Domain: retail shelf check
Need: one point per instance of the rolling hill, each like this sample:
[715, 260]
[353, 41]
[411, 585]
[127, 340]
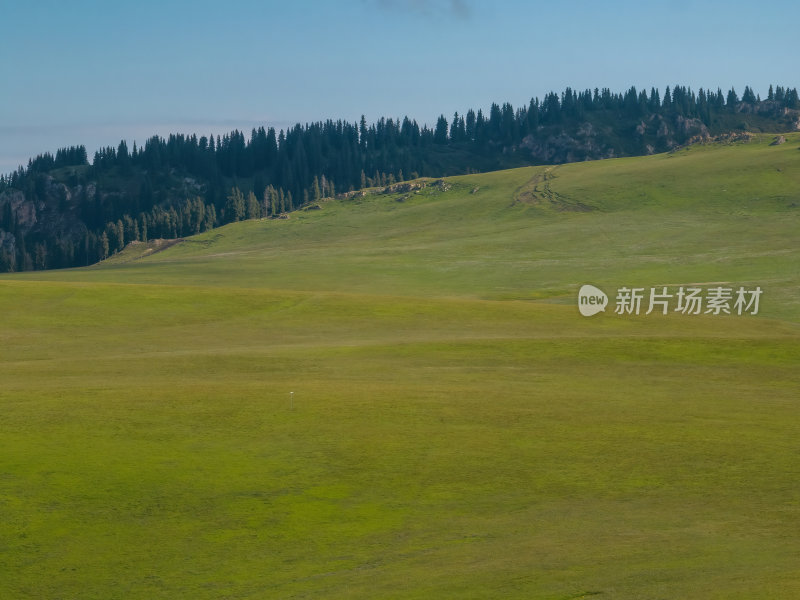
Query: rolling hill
[394, 395]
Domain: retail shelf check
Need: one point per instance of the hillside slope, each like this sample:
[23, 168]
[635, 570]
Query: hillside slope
[717, 212]
[395, 396]
[63, 211]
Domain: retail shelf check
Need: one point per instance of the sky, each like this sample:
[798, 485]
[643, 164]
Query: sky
[94, 72]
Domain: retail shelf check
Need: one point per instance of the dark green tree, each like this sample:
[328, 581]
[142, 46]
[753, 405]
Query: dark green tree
[732, 100]
[104, 247]
[253, 207]
[235, 206]
[440, 135]
[315, 189]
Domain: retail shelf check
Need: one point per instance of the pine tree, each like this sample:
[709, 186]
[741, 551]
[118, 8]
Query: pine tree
[455, 132]
[469, 127]
[40, 257]
[792, 99]
[210, 217]
[104, 248]
[274, 206]
[235, 206]
[440, 134]
[732, 100]
[267, 199]
[315, 189]
[253, 207]
[362, 139]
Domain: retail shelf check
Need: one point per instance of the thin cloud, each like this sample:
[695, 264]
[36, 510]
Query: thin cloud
[461, 8]
[428, 8]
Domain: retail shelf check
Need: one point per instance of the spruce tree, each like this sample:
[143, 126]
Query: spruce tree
[211, 217]
[732, 100]
[104, 248]
[253, 207]
[267, 200]
[235, 206]
[469, 128]
[315, 189]
[440, 134]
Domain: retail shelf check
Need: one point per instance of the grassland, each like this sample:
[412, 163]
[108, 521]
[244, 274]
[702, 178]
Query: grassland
[456, 428]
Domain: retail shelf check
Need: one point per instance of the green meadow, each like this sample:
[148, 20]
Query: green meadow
[395, 396]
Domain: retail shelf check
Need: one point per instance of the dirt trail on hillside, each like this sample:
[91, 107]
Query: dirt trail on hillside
[539, 192]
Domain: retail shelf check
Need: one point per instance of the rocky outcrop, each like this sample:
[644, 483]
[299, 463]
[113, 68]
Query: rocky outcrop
[583, 145]
[691, 128]
[590, 141]
[23, 209]
[7, 242]
[404, 187]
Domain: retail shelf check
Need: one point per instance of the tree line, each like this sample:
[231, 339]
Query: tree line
[185, 184]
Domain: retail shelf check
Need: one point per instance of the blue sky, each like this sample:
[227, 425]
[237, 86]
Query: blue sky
[94, 72]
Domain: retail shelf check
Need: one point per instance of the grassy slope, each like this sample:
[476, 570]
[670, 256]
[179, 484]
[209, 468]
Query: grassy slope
[704, 214]
[458, 429]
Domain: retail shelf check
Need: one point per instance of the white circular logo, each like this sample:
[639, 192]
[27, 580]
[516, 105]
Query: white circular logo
[591, 300]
